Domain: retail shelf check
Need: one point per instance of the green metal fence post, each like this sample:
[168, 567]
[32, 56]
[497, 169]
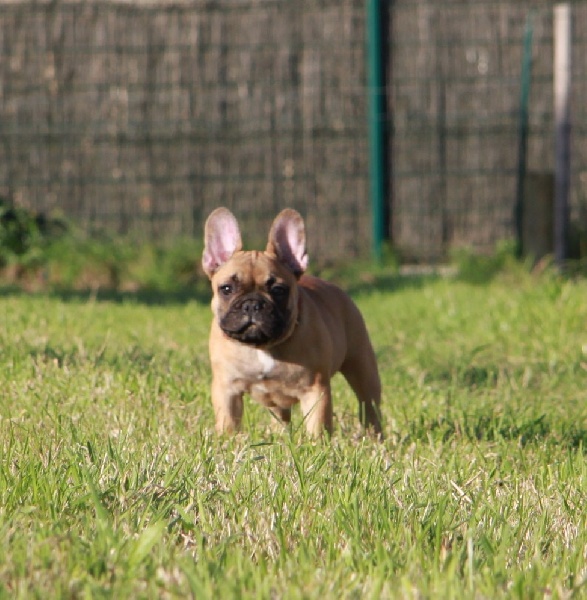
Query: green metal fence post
[376, 125]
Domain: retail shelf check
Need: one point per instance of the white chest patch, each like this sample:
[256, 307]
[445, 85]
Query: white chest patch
[267, 363]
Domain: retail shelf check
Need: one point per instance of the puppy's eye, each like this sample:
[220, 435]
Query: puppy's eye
[225, 289]
[278, 291]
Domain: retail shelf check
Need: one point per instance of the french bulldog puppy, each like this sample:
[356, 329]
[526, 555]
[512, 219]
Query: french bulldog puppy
[279, 335]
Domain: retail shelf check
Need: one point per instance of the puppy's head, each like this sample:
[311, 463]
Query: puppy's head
[255, 294]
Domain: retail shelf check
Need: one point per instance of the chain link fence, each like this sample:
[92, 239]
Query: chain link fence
[141, 117]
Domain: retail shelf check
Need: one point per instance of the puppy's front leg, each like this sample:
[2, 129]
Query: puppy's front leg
[316, 407]
[228, 407]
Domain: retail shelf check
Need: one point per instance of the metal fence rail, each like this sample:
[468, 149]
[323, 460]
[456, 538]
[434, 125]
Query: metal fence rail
[142, 117]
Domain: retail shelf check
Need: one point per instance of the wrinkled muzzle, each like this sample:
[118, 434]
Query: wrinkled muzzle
[253, 319]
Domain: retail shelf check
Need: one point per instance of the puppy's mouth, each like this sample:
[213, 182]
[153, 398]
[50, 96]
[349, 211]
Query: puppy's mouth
[254, 320]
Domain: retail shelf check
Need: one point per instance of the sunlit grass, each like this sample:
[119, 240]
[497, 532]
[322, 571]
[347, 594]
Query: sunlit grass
[112, 483]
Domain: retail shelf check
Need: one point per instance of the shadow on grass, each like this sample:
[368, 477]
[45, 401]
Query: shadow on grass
[355, 283]
[389, 283]
[148, 297]
[495, 427]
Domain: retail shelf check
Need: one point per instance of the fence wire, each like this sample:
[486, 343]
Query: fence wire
[142, 117]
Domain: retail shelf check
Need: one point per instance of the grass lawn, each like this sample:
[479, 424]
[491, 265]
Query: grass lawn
[113, 484]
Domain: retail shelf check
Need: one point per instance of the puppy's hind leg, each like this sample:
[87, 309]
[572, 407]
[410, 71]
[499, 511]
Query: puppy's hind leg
[362, 375]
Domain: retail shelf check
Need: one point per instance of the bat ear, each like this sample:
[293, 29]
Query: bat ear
[222, 238]
[287, 241]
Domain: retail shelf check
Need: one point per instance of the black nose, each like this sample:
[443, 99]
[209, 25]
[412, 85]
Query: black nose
[252, 306]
